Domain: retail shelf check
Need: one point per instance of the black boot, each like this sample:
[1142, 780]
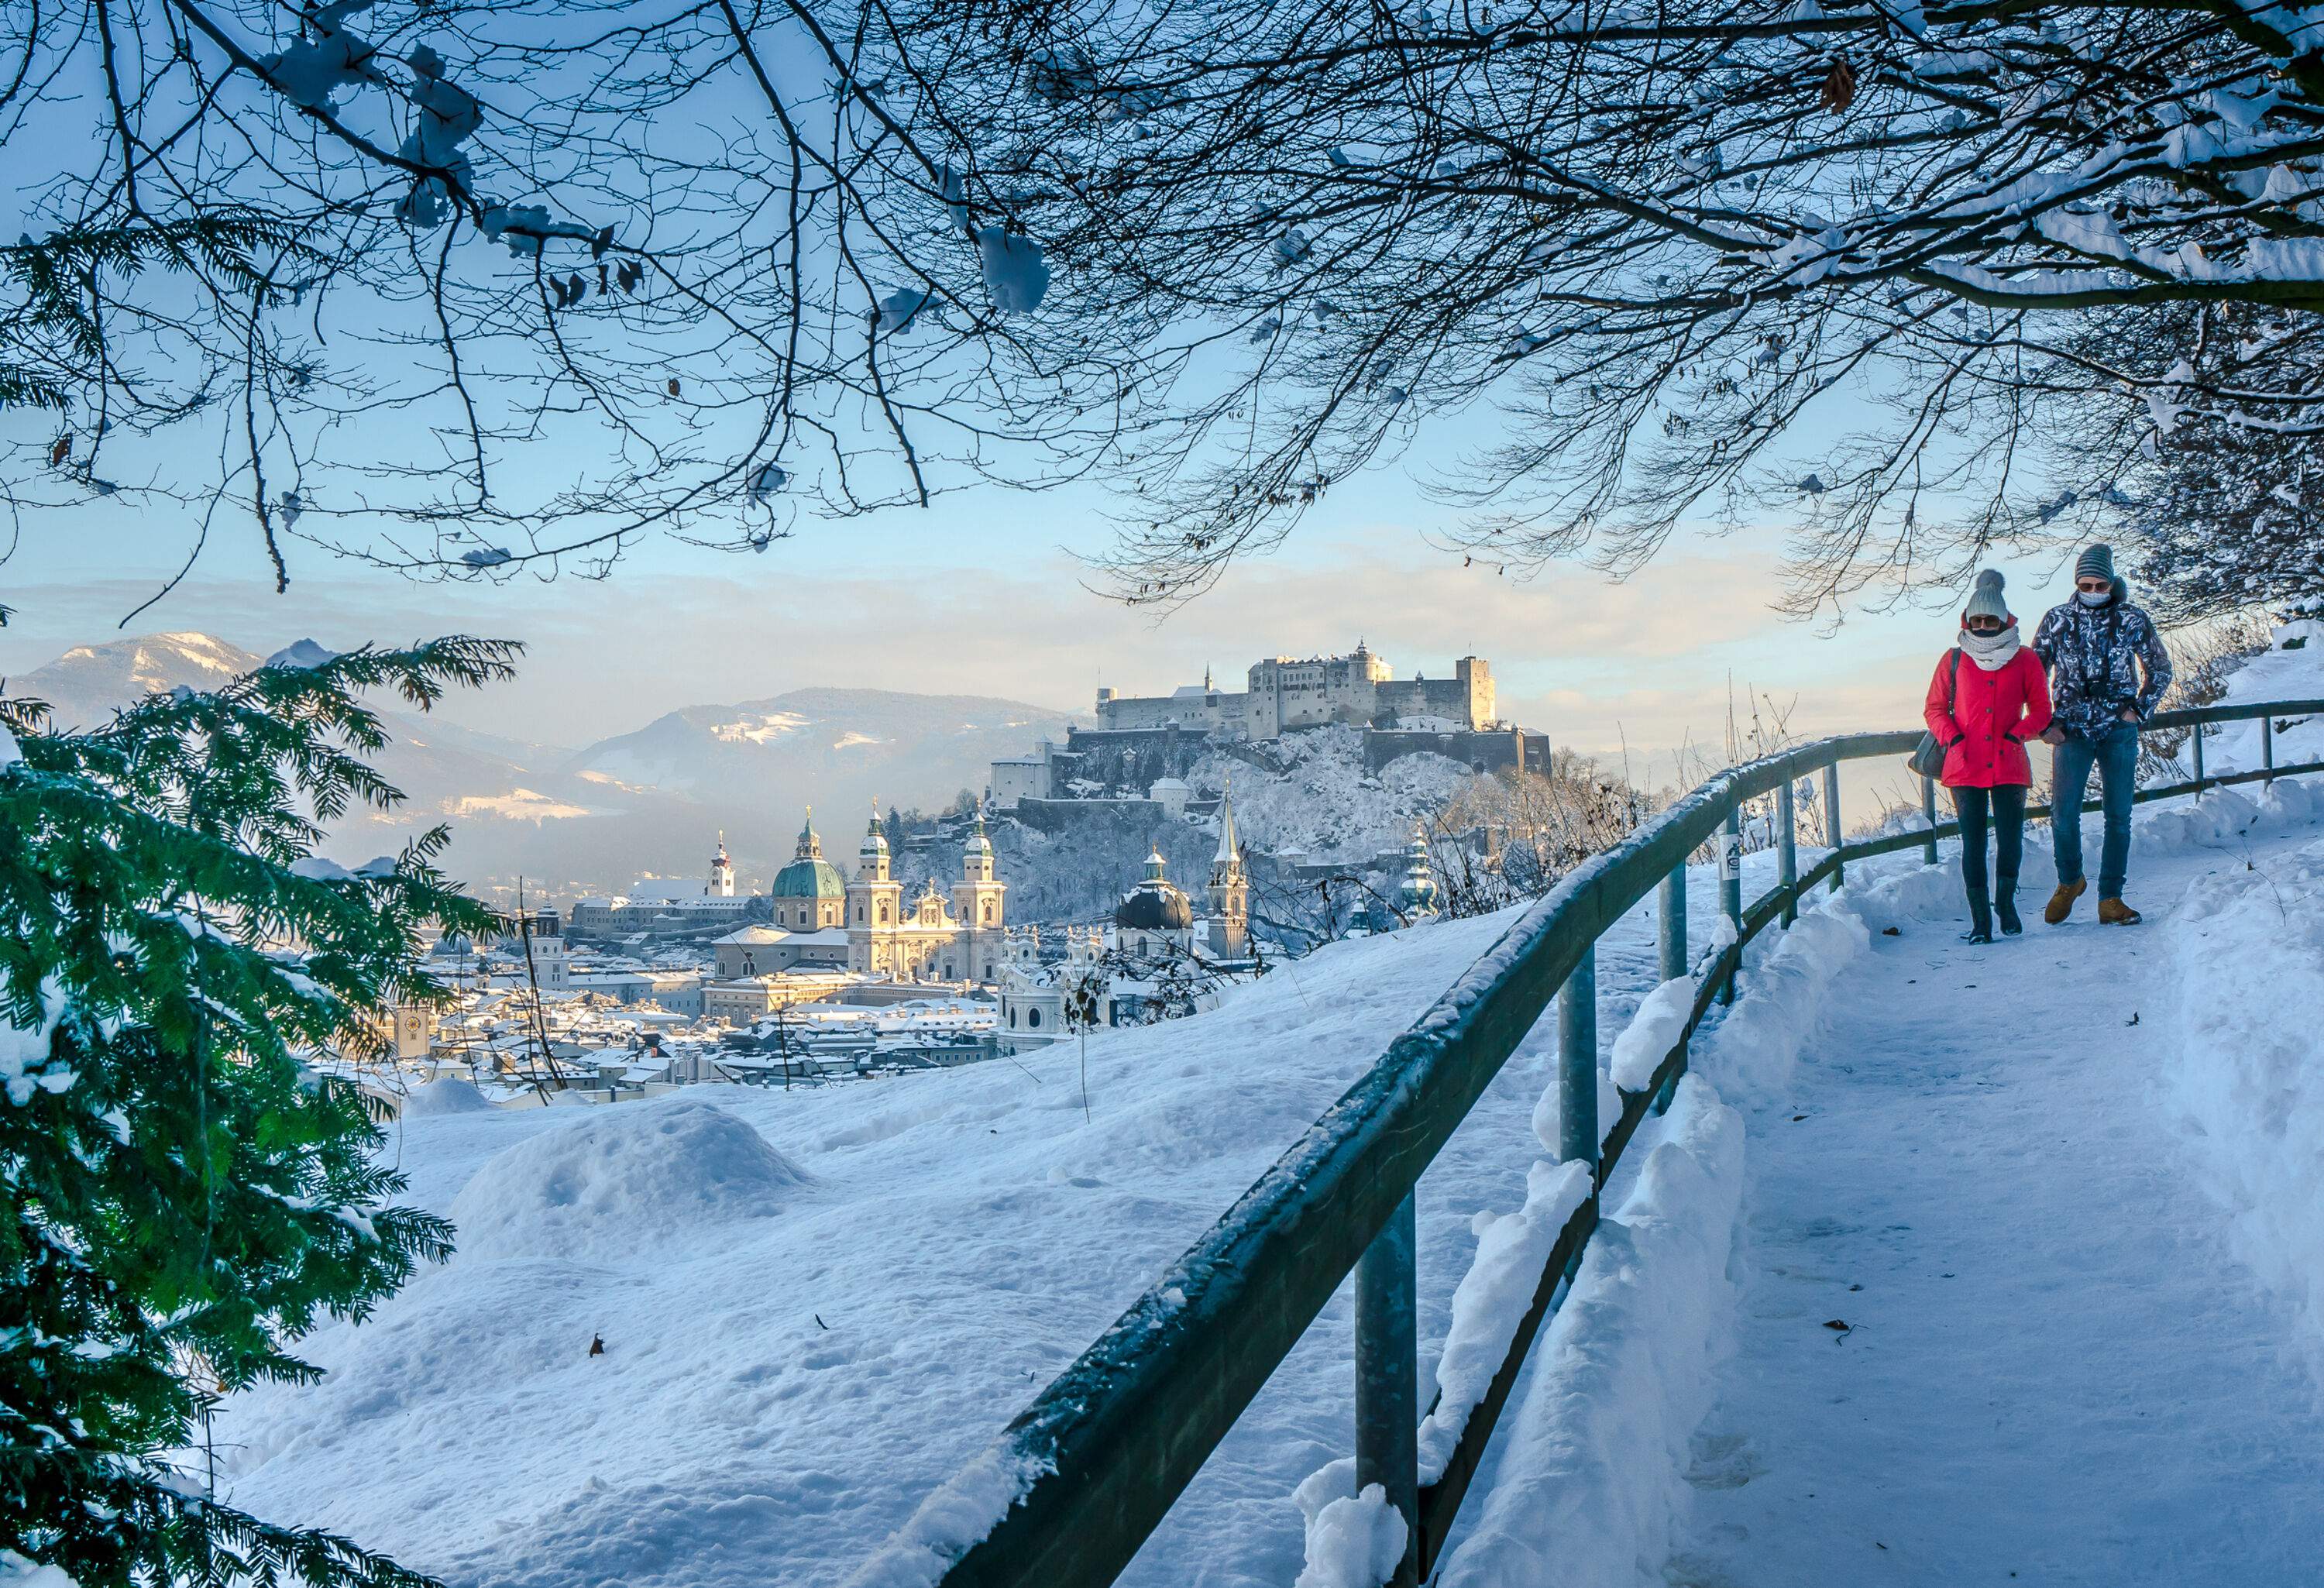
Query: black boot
[1980, 918]
[2005, 905]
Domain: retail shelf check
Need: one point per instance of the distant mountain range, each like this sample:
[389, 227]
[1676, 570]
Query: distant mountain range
[652, 801]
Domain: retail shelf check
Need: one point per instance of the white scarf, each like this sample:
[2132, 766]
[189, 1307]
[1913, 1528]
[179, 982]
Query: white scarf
[1991, 652]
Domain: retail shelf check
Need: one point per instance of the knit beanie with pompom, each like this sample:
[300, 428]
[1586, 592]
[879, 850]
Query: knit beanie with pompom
[1986, 600]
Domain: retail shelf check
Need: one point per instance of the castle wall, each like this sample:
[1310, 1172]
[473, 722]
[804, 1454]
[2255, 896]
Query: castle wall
[1193, 709]
[1496, 751]
[1466, 698]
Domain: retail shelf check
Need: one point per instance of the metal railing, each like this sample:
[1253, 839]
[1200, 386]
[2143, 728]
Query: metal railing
[1102, 1454]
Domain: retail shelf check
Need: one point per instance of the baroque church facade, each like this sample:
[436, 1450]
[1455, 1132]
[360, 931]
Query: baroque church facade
[926, 937]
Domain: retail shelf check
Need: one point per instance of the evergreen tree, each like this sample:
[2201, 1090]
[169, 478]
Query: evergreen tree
[181, 1193]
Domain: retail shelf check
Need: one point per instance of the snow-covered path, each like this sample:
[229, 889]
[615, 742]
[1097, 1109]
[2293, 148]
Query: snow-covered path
[2055, 1371]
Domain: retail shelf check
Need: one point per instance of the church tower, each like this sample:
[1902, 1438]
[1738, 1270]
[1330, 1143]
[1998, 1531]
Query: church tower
[1415, 892]
[874, 905]
[977, 904]
[721, 885]
[1229, 891]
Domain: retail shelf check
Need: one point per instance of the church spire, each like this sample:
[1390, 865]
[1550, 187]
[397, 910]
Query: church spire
[1230, 847]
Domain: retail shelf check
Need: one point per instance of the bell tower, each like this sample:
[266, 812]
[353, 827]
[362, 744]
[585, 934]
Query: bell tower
[721, 885]
[874, 905]
[978, 906]
[1230, 890]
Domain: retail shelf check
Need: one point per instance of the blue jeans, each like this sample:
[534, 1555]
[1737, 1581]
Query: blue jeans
[2117, 758]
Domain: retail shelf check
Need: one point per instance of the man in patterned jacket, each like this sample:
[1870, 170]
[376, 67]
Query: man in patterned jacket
[2097, 646]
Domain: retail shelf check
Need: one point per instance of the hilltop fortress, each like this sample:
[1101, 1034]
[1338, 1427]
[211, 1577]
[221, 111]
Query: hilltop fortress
[1144, 745]
[1357, 689]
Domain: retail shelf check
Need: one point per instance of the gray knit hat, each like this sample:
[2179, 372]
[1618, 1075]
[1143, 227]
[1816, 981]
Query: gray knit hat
[1986, 601]
[2095, 562]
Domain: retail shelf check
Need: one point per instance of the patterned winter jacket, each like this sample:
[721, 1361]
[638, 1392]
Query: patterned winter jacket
[2095, 655]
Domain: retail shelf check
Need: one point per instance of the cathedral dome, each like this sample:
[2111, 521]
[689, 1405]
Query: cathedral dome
[1156, 905]
[808, 875]
[811, 878]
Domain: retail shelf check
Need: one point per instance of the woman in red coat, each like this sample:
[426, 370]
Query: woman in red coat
[1989, 695]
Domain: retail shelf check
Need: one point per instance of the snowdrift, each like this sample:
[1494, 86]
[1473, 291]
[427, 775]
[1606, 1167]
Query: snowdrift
[445, 1096]
[2247, 1080]
[621, 1177]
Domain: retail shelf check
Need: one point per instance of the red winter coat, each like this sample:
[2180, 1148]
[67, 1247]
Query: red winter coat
[1992, 716]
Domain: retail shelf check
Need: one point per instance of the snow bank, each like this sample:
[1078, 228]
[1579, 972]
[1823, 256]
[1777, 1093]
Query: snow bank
[617, 1179]
[1590, 1486]
[1750, 1054]
[2245, 1071]
[445, 1096]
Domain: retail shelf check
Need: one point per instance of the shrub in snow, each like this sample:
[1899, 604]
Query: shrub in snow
[620, 1177]
[181, 1201]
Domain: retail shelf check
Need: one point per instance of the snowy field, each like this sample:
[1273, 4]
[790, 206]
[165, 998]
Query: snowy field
[816, 1306]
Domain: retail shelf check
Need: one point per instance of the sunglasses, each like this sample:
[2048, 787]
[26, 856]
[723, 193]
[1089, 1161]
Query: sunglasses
[2094, 587]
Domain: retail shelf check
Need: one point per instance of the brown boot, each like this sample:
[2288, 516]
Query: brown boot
[2114, 912]
[2061, 902]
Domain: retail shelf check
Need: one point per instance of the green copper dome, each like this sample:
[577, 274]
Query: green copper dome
[808, 875]
[809, 879]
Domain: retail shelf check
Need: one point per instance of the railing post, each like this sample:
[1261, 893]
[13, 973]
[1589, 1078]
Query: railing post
[2198, 760]
[1674, 951]
[1831, 822]
[1929, 809]
[1787, 857]
[2267, 749]
[1730, 888]
[1673, 934]
[1577, 1062]
[1387, 1381]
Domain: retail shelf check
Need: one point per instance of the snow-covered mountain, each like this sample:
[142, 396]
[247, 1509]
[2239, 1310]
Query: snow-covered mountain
[85, 683]
[840, 747]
